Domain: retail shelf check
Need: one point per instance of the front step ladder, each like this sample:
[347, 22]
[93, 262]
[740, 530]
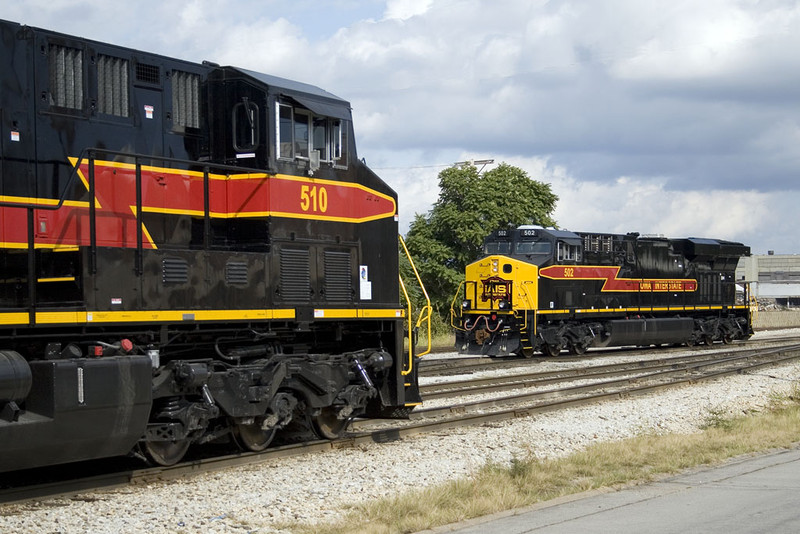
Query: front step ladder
[525, 340]
[409, 371]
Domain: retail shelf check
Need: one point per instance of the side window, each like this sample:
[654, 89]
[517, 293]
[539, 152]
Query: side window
[285, 120]
[245, 125]
[301, 134]
[320, 138]
[301, 129]
[66, 76]
[568, 252]
[339, 143]
[336, 139]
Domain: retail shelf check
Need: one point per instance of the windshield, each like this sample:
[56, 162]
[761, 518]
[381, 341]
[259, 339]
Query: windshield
[498, 247]
[534, 247]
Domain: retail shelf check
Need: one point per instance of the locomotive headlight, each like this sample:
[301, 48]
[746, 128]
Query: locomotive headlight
[465, 305]
[494, 266]
[503, 304]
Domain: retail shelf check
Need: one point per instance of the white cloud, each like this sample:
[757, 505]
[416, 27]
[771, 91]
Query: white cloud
[647, 207]
[667, 111]
[405, 9]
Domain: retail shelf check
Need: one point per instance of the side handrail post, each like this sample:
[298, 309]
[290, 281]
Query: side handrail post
[92, 213]
[139, 231]
[453, 305]
[410, 367]
[31, 267]
[425, 313]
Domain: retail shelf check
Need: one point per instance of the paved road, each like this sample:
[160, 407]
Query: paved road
[758, 494]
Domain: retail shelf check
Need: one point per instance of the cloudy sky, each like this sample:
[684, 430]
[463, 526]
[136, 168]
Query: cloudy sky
[674, 117]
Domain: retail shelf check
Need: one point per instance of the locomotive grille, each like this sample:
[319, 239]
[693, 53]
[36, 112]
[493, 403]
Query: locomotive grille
[175, 271]
[112, 85]
[148, 73]
[186, 99]
[236, 272]
[295, 275]
[66, 77]
[338, 280]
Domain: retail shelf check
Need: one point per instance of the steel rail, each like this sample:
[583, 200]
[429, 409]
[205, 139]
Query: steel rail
[493, 384]
[672, 370]
[460, 418]
[439, 366]
[624, 388]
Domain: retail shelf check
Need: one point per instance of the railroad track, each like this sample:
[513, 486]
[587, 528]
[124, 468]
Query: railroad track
[597, 383]
[491, 384]
[441, 366]
[619, 379]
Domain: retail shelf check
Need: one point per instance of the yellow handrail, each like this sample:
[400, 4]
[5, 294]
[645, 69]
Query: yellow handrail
[410, 332]
[452, 307]
[526, 296]
[530, 303]
[424, 314]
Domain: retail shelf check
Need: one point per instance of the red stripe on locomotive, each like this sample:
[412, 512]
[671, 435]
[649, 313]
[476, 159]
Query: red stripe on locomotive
[612, 283]
[172, 191]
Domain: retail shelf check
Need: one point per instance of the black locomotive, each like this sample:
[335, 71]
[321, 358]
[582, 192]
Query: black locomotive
[189, 252]
[543, 289]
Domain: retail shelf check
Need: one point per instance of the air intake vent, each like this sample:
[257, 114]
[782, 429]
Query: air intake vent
[66, 77]
[338, 277]
[236, 272]
[112, 85]
[175, 271]
[148, 73]
[295, 275]
[186, 99]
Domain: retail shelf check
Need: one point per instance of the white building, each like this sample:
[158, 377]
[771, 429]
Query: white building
[772, 277]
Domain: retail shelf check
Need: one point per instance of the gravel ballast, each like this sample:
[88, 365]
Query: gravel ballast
[317, 487]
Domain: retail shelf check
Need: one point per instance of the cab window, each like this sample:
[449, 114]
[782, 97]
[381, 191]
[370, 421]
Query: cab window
[245, 125]
[285, 134]
[302, 134]
[301, 128]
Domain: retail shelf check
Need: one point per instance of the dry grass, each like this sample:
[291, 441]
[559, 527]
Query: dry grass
[443, 343]
[496, 488]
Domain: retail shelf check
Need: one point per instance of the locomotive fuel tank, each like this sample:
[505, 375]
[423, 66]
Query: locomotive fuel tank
[78, 409]
[15, 380]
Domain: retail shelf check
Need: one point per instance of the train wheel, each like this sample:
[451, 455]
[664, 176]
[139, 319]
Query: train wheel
[252, 437]
[527, 353]
[727, 339]
[551, 350]
[577, 350]
[326, 425]
[166, 452]
[708, 340]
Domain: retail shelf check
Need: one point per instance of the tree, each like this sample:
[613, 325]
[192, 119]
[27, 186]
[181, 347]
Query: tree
[470, 206]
